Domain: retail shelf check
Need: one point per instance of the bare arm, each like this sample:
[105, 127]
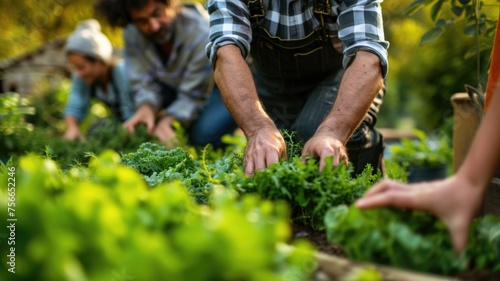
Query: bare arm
[456, 199]
[360, 84]
[483, 157]
[235, 81]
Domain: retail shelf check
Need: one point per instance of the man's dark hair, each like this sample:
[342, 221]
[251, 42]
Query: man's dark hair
[117, 12]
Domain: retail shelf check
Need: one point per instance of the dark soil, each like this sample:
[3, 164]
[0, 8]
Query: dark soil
[318, 239]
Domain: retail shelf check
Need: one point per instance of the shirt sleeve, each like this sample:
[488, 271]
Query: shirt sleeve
[229, 24]
[195, 83]
[79, 99]
[361, 28]
[125, 95]
[142, 84]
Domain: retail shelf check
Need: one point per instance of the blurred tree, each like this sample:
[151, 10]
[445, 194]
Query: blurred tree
[425, 70]
[30, 23]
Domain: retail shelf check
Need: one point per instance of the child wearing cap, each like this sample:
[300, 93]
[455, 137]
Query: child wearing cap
[97, 74]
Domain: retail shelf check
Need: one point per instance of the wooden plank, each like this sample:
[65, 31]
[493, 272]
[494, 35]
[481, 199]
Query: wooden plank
[336, 267]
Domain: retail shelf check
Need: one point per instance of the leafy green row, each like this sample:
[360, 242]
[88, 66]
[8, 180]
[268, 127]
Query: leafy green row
[71, 153]
[411, 240]
[105, 223]
[309, 192]
[24, 130]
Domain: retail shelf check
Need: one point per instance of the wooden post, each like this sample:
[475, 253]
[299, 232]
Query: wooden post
[466, 120]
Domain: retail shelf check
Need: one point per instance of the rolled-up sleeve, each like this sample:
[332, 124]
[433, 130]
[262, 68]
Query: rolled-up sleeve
[79, 99]
[361, 28]
[229, 24]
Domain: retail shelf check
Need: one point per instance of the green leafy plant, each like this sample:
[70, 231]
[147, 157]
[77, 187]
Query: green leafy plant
[420, 152]
[309, 192]
[13, 110]
[92, 223]
[412, 240]
[472, 12]
[474, 16]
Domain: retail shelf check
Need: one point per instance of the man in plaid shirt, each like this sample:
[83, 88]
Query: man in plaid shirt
[318, 69]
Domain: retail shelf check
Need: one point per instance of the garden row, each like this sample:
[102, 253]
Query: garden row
[86, 213]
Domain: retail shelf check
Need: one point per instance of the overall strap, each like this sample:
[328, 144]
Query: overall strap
[256, 8]
[322, 7]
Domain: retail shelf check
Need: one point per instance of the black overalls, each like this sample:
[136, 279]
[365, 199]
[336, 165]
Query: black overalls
[297, 81]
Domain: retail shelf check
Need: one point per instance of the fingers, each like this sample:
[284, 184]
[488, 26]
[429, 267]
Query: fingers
[391, 198]
[459, 236]
[144, 115]
[249, 167]
[129, 126]
[150, 125]
[322, 147]
[263, 150]
[391, 193]
[260, 160]
[383, 186]
[339, 157]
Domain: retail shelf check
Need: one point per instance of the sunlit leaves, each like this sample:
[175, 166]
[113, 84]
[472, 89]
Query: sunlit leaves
[436, 31]
[461, 10]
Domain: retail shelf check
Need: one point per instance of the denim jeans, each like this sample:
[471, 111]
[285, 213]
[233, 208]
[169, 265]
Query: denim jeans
[297, 82]
[213, 122]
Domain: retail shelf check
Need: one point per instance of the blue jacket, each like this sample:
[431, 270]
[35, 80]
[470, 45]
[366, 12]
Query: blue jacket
[80, 95]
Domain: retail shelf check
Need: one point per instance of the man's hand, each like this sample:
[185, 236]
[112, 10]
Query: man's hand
[145, 114]
[265, 147]
[165, 131]
[323, 145]
[454, 200]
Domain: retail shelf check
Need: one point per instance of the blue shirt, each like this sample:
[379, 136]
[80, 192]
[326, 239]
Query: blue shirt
[80, 94]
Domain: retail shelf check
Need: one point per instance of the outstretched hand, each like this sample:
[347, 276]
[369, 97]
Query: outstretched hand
[321, 146]
[263, 148]
[165, 132]
[145, 114]
[454, 200]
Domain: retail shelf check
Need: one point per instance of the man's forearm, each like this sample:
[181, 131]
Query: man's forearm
[235, 81]
[361, 83]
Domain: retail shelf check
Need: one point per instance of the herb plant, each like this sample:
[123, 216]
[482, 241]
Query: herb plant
[94, 223]
[411, 240]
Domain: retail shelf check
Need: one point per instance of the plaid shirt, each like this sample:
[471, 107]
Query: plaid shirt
[357, 23]
[187, 70]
